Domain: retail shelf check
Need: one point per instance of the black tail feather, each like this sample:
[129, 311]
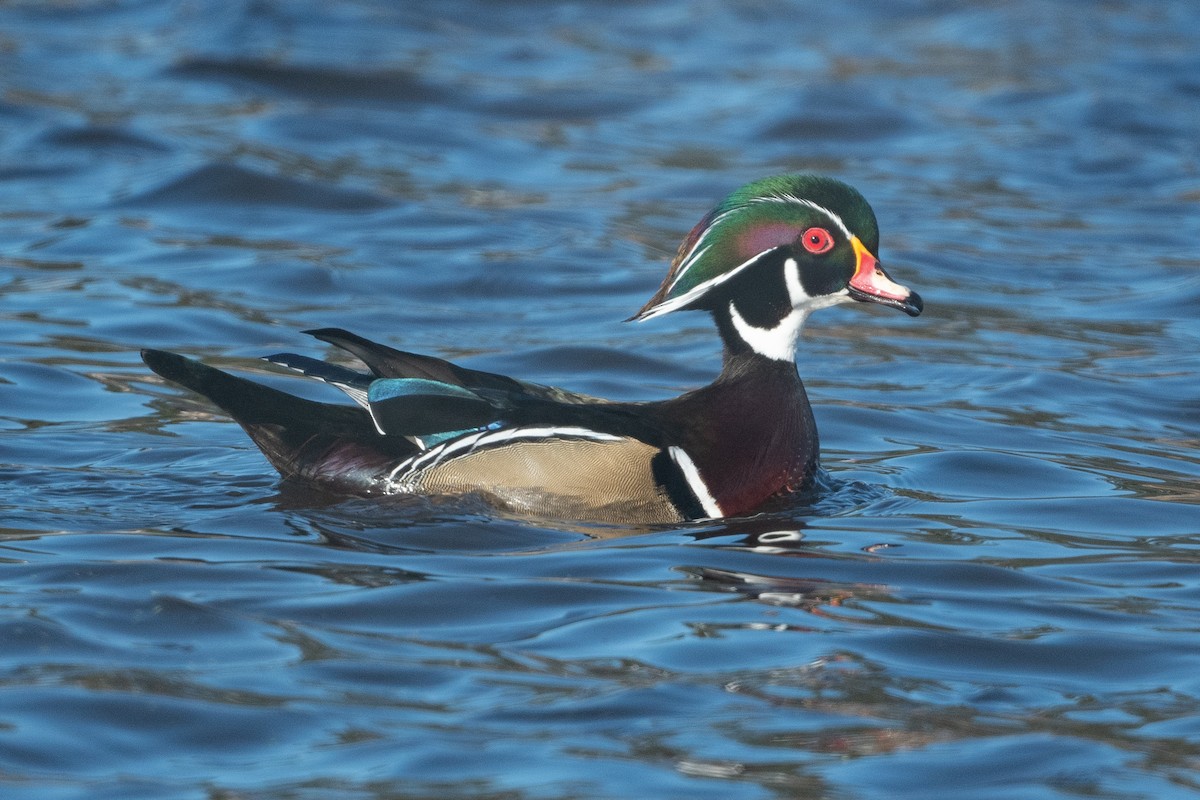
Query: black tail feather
[321, 370]
[387, 362]
[335, 445]
[354, 384]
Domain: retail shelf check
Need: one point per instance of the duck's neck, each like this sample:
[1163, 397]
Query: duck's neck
[771, 335]
[752, 434]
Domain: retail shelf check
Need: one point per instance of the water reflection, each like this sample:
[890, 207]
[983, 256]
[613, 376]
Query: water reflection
[992, 587]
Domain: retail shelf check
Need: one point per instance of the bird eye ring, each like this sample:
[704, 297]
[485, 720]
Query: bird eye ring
[817, 240]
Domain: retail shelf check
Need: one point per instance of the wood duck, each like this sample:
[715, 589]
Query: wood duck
[760, 262]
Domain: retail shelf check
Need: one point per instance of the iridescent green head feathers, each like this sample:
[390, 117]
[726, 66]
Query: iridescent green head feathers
[823, 225]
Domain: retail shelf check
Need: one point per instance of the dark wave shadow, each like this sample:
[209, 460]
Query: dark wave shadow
[233, 185]
[389, 86]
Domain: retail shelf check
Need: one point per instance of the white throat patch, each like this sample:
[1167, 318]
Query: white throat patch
[779, 342]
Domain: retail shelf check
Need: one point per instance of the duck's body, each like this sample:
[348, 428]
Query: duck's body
[760, 262]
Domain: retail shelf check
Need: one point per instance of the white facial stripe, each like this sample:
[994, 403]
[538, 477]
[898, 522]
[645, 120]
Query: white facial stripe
[787, 198]
[693, 257]
[697, 291]
[430, 458]
[791, 276]
[836, 219]
[695, 482]
[700, 248]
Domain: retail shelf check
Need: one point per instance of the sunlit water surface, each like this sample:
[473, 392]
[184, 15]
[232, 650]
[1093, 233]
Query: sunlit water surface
[994, 594]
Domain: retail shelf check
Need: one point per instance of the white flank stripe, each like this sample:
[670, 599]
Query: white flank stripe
[545, 433]
[436, 454]
[695, 482]
[409, 467]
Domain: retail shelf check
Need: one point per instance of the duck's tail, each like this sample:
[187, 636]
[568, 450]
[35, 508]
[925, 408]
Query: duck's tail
[335, 446]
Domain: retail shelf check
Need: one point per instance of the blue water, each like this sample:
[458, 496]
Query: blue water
[994, 595]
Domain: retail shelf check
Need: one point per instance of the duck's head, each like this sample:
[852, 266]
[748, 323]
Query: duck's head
[771, 253]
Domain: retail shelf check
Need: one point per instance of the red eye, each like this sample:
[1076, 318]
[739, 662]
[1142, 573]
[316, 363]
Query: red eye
[817, 240]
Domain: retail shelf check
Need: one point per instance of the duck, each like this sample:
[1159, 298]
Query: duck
[760, 262]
